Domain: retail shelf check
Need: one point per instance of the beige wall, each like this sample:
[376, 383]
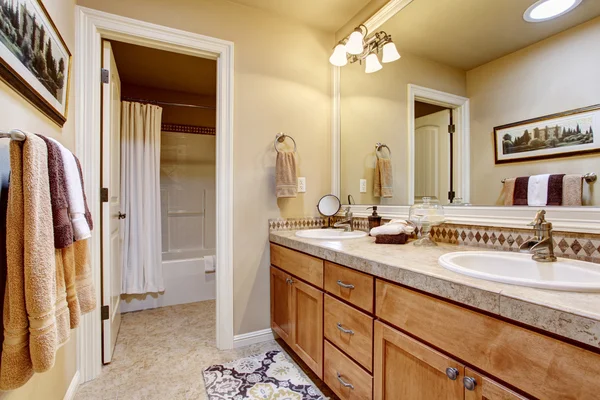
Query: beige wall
[373, 109]
[554, 75]
[282, 83]
[15, 112]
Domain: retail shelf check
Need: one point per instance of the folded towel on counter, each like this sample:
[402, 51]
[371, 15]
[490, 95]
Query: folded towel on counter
[74, 190]
[508, 192]
[394, 227]
[555, 190]
[537, 190]
[572, 190]
[383, 180]
[286, 180]
[521, 189]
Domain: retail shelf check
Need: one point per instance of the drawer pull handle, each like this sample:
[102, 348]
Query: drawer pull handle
[344, 383]
[345, 285]
[289, 281]
[452, 373]
[469, 383]
[341, 328]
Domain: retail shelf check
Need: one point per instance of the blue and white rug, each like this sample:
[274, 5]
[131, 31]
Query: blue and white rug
[267, 376]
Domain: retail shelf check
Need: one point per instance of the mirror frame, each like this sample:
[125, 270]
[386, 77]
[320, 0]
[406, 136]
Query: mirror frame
[571, 219]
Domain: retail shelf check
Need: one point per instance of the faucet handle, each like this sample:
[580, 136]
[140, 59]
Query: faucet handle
[539, 218]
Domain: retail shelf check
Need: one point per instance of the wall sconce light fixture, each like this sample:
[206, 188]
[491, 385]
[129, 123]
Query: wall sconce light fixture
[358, 46]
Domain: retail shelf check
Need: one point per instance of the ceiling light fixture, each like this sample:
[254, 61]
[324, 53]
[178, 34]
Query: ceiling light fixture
[544, 10]
[359, 46]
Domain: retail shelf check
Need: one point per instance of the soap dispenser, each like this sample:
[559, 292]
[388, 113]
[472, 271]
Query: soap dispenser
[374, 219]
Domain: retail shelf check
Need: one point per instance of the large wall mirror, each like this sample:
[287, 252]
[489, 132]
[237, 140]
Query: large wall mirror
[522, 97]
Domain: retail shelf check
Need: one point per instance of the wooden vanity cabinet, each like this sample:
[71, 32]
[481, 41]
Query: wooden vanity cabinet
[479, 387]
[281, 304]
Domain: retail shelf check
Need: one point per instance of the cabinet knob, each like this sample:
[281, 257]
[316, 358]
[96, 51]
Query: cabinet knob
[452, 373]
[345, 285]
[343, 382]
[289, 281]
[469, 383]
[341, 328]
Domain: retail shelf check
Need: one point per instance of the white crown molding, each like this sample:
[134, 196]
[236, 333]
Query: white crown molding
[246, 339]
[385, 13]
[91, 27]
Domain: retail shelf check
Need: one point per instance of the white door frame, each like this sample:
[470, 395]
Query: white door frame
[91, 27]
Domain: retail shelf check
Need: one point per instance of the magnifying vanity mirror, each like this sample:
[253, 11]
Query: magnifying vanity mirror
[329, 205]
[480, 96]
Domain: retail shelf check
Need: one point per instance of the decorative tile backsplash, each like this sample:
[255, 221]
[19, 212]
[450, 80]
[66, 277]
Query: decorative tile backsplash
[581, 246]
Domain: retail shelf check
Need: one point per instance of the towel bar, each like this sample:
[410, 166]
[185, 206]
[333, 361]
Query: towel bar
[280, 137]
[14, 134]
[590, 178]
[379, 146]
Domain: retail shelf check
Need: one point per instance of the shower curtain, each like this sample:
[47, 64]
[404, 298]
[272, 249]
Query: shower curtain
[140, 198]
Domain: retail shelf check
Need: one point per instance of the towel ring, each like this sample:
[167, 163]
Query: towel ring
[379, 146]
[280, 137]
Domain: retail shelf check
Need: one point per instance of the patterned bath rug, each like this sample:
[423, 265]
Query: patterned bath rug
[267, 376]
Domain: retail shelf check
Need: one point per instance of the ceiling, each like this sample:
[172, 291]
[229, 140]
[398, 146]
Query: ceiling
[159, 69]
[329, 15]
[468, 33]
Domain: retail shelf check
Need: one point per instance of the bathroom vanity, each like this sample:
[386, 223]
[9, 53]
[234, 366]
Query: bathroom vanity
[387, 322]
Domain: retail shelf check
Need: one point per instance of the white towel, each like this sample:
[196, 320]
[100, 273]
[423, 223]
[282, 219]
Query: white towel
[210, 263]
[81, 230]
[537, 190]
[394, 227]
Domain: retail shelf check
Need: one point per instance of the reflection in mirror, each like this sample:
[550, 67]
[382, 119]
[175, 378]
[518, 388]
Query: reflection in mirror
[531, 90]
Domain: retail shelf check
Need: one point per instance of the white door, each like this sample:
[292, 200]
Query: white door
[111, 179]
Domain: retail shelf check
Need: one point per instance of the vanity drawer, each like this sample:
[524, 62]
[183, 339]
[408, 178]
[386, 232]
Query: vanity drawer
[352, 286]
[349, 373]
[537, 364]
[305, 267]
[341, 318]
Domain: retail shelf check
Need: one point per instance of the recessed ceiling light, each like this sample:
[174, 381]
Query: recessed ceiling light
[544, 10]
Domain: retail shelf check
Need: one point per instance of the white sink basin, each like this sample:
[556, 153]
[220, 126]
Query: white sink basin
[520, 269]
[330, 234]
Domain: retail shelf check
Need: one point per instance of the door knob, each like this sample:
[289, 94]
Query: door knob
[452, 373]
[469, 383]
[122, 216]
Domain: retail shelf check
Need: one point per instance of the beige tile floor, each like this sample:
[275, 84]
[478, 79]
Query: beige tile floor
[161, 353]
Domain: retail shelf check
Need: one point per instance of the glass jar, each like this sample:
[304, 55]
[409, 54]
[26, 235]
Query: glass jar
[425, 215]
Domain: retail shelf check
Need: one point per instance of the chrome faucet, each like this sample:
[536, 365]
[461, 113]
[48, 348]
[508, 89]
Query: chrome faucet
[346, 223]
[541, 244]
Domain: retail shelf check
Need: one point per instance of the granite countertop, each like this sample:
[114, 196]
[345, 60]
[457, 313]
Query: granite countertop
[572, 315]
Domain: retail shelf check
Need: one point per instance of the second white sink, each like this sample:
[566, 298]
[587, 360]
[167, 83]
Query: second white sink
[329, 234]
[520, 269]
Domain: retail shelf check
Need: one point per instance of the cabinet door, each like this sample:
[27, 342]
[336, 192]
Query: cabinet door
[479, 387]
[407, 369]
[307, 317]
[281, 304]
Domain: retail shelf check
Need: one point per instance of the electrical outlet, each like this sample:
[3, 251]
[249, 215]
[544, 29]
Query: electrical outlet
[302, 185]
[363, 186]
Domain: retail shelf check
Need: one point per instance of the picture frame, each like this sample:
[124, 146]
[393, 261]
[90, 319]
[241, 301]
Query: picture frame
[566, 134]
[34, 58]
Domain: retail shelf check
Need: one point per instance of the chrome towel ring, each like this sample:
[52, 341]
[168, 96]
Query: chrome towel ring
[280, 138]
[379, 146]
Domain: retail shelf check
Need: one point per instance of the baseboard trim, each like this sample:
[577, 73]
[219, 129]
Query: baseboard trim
[73, 386]
[246, 339]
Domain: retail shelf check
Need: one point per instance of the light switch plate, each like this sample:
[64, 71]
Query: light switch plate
[363, 186]
[302, 185]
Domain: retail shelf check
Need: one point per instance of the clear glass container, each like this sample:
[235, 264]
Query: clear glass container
[426, 214]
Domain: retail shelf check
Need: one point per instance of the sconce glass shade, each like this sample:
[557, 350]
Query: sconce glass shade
[372, 63]
[355, 43]
[390, 52]
[338, 58]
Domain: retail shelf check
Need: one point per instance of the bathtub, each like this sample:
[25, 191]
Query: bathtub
[185, 282]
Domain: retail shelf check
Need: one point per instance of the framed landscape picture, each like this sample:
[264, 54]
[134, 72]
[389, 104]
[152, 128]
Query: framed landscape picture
[34, 58]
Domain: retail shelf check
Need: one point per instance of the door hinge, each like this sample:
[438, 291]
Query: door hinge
[105, 75]
[451, 128]
[104, 195]
[105, 312]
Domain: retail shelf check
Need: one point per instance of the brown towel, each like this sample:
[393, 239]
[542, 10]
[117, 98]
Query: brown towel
[83, 280]
[286, 181]
[16, 367]
[572, 190]
[63, 319]
[67, 258]
[88, 215]
[508, 191]
[383, 179]
[63, 230]
[555, 190]
[521, 188]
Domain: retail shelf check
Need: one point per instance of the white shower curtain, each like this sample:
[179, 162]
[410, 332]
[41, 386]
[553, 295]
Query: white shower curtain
[140, 198]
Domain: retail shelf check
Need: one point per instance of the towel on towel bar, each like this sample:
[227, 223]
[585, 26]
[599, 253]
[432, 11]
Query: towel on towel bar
[286, 180]
[508, 191]
[4, 181]
[537, 190]
[555, 190]
[383, 179]
[520, 193]
[572, 190]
